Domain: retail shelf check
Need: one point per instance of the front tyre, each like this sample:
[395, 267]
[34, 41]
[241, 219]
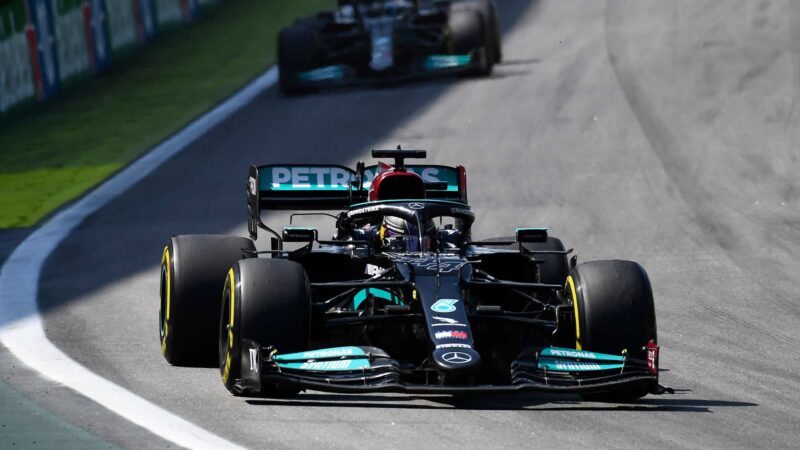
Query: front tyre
[492, 27]
[469, 37]
[265, 301]
[192, 273]
[297, 52]
[614, 312]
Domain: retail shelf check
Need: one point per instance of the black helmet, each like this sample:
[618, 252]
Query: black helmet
[401, 234]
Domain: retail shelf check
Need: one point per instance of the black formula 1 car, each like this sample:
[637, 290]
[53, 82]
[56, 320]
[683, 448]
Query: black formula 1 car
[401, 299]
[367, 41]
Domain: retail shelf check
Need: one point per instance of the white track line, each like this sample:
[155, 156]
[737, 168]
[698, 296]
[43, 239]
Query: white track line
[21, 324]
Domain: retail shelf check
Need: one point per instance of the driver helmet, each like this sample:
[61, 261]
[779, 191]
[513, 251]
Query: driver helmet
[393, 184]
[401, 235]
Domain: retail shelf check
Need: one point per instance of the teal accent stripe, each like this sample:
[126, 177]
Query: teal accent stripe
[359, 298]
[308, 187]
[340, 365]
[322, 73]
[321, 353]
[434, 62]
[309, 360]
[564, 365]
[289, 187]
[299, 177]
[571, 353]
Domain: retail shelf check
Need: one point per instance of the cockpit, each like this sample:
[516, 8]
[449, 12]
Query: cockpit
[410, 226]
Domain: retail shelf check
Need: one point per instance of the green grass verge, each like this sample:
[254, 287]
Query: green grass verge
[23, 424]
[58, 151]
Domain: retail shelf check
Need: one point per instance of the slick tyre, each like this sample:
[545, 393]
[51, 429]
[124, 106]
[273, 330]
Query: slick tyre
[297, 52]
[468, 36]
[265, 301]
[492, 26]
[193, 271]
[614, 311]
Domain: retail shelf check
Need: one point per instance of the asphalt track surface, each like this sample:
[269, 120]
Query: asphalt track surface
[662, 132]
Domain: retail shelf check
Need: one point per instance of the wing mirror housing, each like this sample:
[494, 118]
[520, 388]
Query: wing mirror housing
[525, 235]
[299, 234]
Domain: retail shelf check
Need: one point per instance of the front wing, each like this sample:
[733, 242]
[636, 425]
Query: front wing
[368, 369]
[429, 67]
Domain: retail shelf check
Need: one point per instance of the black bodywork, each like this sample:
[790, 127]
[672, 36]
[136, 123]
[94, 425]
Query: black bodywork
[438, 312]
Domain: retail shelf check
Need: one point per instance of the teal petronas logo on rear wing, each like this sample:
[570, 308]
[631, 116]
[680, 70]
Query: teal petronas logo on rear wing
[315, 177]
[305, 178]
[333, 187]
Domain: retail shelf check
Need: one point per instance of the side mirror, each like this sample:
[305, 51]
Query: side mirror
[531, 235]
[299, 234]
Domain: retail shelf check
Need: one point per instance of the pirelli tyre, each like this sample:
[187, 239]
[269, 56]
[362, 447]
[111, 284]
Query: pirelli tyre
[297, 52]
[492, 27]
[614, 312]
[265, 301]
[193, 271]
[468, 36]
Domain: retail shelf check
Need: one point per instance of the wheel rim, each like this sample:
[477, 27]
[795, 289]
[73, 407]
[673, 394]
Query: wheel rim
[224, 320]
[162, 317]
[227, 356]
[569, 289]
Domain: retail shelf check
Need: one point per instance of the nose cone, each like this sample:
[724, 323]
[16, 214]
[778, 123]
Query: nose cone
[456, 358]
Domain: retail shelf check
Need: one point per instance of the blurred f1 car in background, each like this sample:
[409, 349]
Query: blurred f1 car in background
[401, 299]
[369, 41]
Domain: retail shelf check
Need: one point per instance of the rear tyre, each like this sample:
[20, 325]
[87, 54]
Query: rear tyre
[192, 274]
[469, 37]
[265, 301]
[297, 52]
[614, 309]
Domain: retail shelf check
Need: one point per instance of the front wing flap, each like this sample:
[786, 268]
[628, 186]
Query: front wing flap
[369, 369]
[337, 75]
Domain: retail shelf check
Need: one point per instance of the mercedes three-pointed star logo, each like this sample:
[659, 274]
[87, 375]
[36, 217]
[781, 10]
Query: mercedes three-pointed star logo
[457, 357]
[416, 205]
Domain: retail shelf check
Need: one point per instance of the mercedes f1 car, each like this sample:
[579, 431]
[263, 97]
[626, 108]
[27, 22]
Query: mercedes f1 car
[401, 298]
[366, 41]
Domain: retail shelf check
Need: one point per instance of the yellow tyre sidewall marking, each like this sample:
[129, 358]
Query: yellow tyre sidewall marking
[165, 262]
[230, 286]
[571, 286]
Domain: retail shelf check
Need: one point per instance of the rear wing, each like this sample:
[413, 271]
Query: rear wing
[334, 187]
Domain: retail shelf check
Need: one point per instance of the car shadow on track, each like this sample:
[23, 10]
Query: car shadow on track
[515, 402]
